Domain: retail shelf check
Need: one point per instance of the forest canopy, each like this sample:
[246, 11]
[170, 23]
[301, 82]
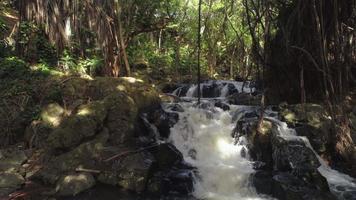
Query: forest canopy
[309, 46]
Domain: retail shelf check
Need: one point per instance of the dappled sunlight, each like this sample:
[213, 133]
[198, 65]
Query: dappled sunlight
[84, 112]
[121, 88]
[132, 80]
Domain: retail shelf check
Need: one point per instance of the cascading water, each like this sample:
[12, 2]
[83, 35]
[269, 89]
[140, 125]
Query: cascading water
[203, 135]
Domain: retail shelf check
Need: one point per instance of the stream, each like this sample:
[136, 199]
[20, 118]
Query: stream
[205, 134]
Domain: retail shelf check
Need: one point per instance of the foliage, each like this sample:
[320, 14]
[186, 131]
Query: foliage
[3, 43]
[33, 44]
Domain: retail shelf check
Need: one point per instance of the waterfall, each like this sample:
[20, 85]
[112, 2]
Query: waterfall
[204, 138]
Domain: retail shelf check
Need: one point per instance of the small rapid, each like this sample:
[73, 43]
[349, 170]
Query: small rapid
[203, 136]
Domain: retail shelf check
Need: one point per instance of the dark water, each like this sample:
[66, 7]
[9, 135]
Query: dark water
[107, 192]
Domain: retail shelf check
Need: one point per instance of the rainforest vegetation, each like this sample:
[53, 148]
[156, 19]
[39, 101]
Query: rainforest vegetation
[76, 76]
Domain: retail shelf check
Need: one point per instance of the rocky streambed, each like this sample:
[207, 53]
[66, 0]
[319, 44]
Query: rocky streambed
[111, 138]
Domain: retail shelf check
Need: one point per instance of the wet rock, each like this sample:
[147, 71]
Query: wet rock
[260, 143]
[262, 181]
[317, 137]
[288, 187]
[175, 107]
[244, 99]
[182, 90]
[222, 105]
[73, 184]
[292, 154]
[176, 181]
[349, 195]
[166, 155]
[210, 91]
[163, 120]
[134, 172]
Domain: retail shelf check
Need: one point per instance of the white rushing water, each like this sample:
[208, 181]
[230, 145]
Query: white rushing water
[204, 138]
[221, 89]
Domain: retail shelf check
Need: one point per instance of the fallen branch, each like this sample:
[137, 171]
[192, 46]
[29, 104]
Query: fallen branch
[80, 169]
[125, 153]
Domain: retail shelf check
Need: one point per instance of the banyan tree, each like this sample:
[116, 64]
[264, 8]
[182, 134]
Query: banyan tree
[107, 25]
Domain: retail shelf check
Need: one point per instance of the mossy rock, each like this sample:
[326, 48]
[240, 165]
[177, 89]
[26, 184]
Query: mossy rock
[121, 118]
[73, 184]
[74, 129]
[83, 156]
[52, 114]
[142, 94]
[74, 88]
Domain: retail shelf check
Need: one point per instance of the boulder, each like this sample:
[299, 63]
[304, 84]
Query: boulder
[166, 155]
[83, 124]
[37, 133]
[260, 143]
[9, 182]
[288, 187]
[163, 120]
[52, 114]
[292, 154]
[121, 118]
[11, 160]
[244, 99]
[86, 156]
[135, 171]
[73, 184]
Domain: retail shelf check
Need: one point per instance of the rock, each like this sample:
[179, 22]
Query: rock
[222, 105]
[121, 120]
[85, 155]
[292, 154]
[74, 129]
[260, 143]
[244, 99]
[319, 137]
[210, 91]
[11, 160]
[166, 155]
[286, 186]
[143, 95]
[134, 172]
[176, 181]
[262, 181]
[52, 114]
[163, 120]
[9, 182]
[73, 184]
[37, 133]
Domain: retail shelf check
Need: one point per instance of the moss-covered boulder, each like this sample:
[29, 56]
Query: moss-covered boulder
[73, 184]
[312, 121]
[52, 114]
[85, 123]
[86, 156]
